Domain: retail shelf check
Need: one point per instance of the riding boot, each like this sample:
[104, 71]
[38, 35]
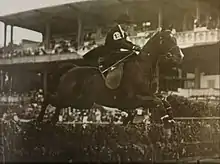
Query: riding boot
[169, 112]
[168, 108]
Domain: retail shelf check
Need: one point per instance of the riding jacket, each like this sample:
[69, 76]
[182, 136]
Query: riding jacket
[117, 39]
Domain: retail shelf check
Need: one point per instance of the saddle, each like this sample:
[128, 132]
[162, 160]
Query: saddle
[114, 76]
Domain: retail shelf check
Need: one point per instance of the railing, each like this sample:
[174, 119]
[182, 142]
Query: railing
[186, 38]
[190, 38]
[40, 59]
[198, 92]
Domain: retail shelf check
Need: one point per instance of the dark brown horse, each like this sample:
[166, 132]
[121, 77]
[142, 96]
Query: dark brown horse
[81, 87]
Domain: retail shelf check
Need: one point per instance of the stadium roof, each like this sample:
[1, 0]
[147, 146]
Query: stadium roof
[63, 18]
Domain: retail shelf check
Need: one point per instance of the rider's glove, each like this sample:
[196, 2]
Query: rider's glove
[136, 48]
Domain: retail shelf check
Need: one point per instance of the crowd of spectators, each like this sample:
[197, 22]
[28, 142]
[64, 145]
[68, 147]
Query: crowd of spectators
[61, 47]
[24, 105]
[108, 143]
[183, 138]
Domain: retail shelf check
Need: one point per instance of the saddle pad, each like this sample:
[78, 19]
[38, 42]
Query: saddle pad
[113, 78]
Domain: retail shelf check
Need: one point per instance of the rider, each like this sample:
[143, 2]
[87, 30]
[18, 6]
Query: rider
[117, 37]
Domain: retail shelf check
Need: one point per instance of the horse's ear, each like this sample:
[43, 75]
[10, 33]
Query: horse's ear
[160, 29]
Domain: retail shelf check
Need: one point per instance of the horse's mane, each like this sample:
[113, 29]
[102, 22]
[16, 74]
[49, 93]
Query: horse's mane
[151, 40]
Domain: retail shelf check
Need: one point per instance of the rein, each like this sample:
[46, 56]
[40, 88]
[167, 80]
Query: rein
[118, 62]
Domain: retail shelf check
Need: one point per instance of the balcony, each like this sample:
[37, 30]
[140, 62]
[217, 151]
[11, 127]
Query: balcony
[191, 38]
[184, 39]
[203, 92]
[39, 59]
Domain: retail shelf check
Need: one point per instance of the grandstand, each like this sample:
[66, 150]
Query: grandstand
[73, 22]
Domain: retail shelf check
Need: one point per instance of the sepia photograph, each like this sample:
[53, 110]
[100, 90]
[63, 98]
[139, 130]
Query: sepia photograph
[110, 81]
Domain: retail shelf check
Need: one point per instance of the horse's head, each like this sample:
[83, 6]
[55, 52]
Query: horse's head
[164, 45]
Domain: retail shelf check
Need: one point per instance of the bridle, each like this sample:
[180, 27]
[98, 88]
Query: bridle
[167, 55]
[169, 51]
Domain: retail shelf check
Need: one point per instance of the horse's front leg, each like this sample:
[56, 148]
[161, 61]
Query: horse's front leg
[42, 112]
[168, 109]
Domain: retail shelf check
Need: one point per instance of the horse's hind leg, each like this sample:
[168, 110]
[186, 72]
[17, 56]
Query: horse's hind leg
[55, 117]
[129, 118]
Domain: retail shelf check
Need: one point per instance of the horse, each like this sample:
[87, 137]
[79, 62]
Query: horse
[83, 86]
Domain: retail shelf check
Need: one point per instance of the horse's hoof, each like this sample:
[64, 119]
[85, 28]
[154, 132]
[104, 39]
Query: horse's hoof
[37, 122]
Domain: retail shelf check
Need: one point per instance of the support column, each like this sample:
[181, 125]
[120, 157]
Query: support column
[45, 83]
[160, 17]
[79, 33]
[12, 34]
[47, 36]
[5, 35]
[198, 11]
[197, 77]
